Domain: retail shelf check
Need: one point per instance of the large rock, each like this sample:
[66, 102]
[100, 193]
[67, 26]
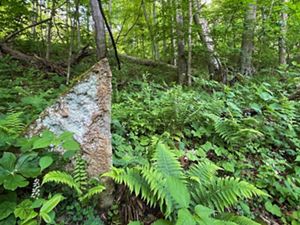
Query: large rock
[84, 110]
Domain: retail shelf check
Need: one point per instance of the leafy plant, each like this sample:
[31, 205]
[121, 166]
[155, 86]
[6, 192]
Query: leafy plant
[78, 182]
[166, 184]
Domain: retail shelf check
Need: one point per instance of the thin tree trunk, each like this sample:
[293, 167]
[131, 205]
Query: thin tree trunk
[154, 47]
[282, 38]
[34, 17]
[77, 13]
[189, 64]
[164, 29]
[71, 33]
[214, 63]
[181, 60]
[99, 29]
[49, 31]
[157, 56]
[248, 40]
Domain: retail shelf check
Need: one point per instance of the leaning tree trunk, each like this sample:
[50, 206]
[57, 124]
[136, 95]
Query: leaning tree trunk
[248, 40]
[181, 60]
[99, 25]
[214, 63]
[282, 38]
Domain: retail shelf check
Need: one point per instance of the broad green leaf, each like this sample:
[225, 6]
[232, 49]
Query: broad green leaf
[45, 162]
[3, 174]
[8, 161]
[27, 165]
[71, 145]
[44, 141]
[12, 182]
[50, 204]
[10, 220]
[274, 209]
[46, 217]
[7, 204]
[25, 211]
[37, 203]
[185, 218]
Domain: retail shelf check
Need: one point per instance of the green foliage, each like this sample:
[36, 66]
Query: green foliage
[251, 130]
[78, 182]
[165, 183]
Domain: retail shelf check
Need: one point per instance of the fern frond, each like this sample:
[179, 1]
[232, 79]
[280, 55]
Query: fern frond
[80, 173]
[157, 184]
[59, 177]
[134, 180]
[227, 129]
[92, 192]
[11, 123]
[222, 193]
[203, 172]
[240, 220]
[166, 162]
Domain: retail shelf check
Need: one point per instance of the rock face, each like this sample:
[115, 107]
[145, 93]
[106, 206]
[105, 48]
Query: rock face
[84, 110]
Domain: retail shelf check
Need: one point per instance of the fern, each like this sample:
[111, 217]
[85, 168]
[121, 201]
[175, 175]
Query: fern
[203, 172]
[92, 192]
[11, 124]
[164, 183]
[166, 163]
[62, 178]
[80, 174]
[233, 132]
[222, 193]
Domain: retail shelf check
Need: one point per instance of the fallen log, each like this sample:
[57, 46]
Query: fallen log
[146, 62]
[34, 60]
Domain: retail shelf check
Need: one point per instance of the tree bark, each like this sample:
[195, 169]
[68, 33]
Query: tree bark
[282, 38]
[36, 61]
[99, 26]
[77, 13]
[49, 31]
[214, 63]
[248, 40]
[189, 65]
[147, 19]
[181, 60]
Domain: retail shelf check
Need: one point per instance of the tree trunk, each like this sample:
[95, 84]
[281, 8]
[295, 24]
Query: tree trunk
[34, 17]
[151, 33]
[214, 63]
[49, 31]
[248, 40]
[156, 53]
[181, 60]
[189, 65]
[77, 13]
[282, 38]
[99, 26]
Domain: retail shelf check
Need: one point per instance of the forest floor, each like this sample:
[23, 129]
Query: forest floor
[251, 129]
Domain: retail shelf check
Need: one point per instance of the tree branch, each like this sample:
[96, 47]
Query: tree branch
[10, 36]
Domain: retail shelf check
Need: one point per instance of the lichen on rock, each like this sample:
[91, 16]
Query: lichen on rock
[85, 110]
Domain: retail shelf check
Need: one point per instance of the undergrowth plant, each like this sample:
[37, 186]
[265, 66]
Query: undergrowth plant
[193, 196]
